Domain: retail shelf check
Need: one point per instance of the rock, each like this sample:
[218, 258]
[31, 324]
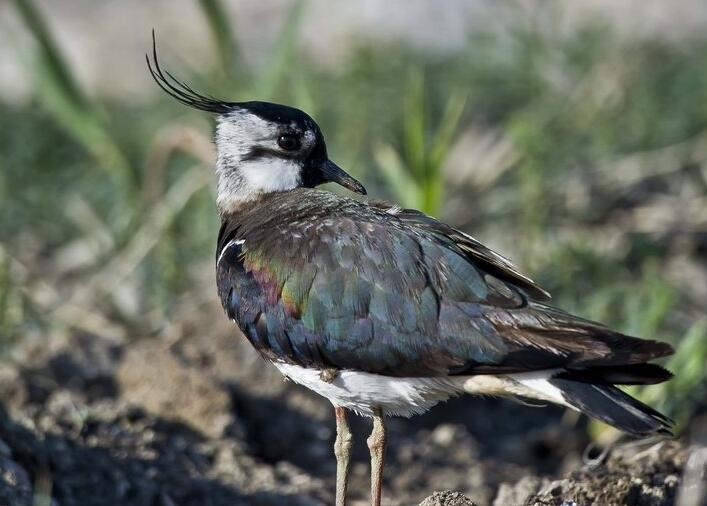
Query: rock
[15, 485]
[447, 498]
[520, 492]
[632, 475]
[13, 391]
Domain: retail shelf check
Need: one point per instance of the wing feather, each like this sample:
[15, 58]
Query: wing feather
[323, 281]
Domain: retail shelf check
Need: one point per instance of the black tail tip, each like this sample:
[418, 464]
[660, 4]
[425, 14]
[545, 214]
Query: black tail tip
[615, 407]
[631, 374]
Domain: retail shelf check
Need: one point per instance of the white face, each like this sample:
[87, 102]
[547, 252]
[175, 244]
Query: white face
[250, 161]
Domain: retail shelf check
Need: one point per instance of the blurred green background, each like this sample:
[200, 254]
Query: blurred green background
[570, 143]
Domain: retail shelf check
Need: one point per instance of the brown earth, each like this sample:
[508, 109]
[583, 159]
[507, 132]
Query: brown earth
[181, 420]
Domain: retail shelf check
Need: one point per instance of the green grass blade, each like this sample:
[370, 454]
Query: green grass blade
[398, 179]
[222, 34]
[52, 60]
[282, 53]
[414, 124]
[62, 96]
[302, 94]
[444, 136]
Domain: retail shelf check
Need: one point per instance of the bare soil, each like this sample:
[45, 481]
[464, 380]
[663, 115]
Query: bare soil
[202, 420]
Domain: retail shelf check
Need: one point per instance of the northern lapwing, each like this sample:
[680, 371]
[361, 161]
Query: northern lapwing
[387, 311]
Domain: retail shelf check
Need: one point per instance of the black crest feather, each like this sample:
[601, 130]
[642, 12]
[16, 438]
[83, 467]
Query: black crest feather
[182, 91]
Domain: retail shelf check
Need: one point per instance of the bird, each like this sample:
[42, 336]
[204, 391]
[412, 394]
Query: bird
[387, 311]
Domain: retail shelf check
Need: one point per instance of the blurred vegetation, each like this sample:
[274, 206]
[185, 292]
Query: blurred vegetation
[582, 155]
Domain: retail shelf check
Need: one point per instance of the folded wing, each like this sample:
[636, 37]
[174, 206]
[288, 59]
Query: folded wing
[395, 292]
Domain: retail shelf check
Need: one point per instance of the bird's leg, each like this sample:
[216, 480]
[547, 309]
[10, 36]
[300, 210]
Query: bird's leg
[376, 444]
[342, 450]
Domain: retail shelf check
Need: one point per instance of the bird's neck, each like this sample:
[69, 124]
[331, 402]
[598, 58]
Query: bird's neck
[246, 181]
[272, 209]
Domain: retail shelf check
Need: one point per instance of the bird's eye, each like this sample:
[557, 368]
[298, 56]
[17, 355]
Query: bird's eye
[288, 142]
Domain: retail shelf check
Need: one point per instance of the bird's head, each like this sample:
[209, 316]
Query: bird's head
[261, 147]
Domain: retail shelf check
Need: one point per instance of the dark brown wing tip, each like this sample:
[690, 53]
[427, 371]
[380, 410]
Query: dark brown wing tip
[650, 350]
[663, 349]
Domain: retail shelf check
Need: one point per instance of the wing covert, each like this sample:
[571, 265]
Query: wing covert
[331, 282]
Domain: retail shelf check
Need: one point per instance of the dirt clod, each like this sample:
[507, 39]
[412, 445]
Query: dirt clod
[204, 420]
[447, 498]
[632, 475]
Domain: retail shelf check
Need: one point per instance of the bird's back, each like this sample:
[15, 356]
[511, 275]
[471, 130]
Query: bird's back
[319, 280]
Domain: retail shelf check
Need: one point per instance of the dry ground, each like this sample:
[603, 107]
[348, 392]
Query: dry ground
[198, 419]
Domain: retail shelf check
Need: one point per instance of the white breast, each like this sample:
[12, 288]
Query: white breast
[361, 392]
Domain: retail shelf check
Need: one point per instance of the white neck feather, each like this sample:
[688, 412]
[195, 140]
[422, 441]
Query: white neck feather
[252, 178]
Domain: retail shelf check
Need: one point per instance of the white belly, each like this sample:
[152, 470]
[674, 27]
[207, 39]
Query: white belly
[361, 392]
